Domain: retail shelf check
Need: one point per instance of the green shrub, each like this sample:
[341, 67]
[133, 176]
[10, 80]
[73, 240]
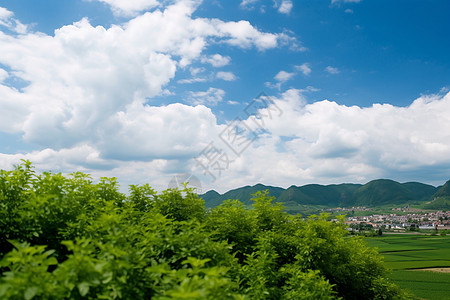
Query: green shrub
[65, 237]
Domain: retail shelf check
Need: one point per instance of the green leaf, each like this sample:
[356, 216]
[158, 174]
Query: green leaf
[30, 292]
[83, 288]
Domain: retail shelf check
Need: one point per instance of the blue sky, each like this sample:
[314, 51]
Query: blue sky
[145, 89]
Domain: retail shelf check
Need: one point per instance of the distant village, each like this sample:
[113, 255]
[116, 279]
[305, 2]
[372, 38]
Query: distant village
[438, 220]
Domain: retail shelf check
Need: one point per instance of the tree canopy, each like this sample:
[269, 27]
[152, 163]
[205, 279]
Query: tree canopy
[66, 237]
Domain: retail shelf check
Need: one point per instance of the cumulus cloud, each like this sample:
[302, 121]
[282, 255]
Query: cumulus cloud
[332, 70]
[285, 7]
[227, 76]
[216, 60]
[243, 34]
[211, 97]
[283, 76]
[195, 72]
[248, 4]
[280, 78]
[128, 7]
[325, 142]
[304, 68]
[83, 75]
[5, 15]
[7, 19]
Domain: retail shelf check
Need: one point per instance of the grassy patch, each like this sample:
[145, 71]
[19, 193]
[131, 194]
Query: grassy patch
[404, 252]
[424, 284]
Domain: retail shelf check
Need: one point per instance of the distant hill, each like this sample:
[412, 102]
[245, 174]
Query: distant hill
[316, 194]
[420, 191]
[441, 199]
[444, 191]
[382, 191]
[243, 194]
[374, 193]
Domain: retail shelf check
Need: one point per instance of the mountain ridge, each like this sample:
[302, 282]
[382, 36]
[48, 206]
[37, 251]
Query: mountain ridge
[374, 193]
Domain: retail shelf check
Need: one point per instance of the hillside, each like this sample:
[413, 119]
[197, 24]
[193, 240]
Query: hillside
[243, 194]
[441, 199]
[382, 191]
[421, 191]
[315, 194]
[374, 193]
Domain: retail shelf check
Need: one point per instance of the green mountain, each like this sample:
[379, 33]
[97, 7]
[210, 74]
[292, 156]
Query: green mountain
[374, 193]
[316, 194]
[382, 191]
[441, 199]
[243, 194]
[444, 191]
[420, 191]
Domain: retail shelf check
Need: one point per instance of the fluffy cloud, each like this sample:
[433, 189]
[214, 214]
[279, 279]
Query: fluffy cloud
[216, 60]
[332, 70]
[304, 68]
[227, 76]
[5, 15]
[285, 7]
[130, 8]
[283, 76]
[81, 77]
[211, 97]
[167, 132]
[7, 19]
[327, 142]
[243, 34]
[248, 4]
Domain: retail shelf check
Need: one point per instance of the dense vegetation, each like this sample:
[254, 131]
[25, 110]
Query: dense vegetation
[65, 237]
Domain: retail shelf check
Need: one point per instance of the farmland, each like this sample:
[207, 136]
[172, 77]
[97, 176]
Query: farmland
[406, 254]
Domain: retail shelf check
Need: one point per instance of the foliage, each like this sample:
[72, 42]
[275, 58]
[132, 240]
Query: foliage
[66, 237]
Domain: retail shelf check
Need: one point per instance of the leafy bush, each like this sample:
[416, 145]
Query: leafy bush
[65, 237]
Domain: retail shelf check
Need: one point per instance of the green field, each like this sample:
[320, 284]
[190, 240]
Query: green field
[405, 253]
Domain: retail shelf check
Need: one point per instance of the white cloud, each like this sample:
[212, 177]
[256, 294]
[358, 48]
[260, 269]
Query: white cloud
[7, 19]
[231, 102]
[165, 132]
[130, 7]
[195, 78]
[348, 11]
[332, 70]
[216, 60]
[192, 80]
[285, 7]
[211, 97]
[304, 68]
[287, 39]
[283, 76]
[325, 142]
[80, 77]
[248, 4]
[243, 34]
[227, 76]
[5, 14]
[3, 75]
